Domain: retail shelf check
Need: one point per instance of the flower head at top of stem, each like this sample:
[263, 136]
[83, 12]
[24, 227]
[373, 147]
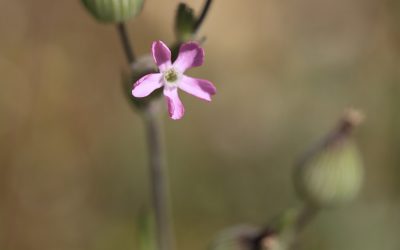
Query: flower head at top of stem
[171, 77]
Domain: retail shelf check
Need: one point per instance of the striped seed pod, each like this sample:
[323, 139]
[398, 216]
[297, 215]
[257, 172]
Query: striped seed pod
[113, 11]
[332, 174]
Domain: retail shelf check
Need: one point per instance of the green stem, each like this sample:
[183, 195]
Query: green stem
[157, 166]
[307, 214]
[158, 175]
[123, 34]
[203, 15]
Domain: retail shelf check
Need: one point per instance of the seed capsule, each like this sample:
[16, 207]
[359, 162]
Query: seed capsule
[332, 174]
[110, 11]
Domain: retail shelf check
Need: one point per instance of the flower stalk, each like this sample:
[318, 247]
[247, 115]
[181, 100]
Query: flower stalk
[306, 215]
[157, 165]
[158, 177]
[123, 34]
[203, 15]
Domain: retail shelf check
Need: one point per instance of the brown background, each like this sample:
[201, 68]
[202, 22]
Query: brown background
[72, 152]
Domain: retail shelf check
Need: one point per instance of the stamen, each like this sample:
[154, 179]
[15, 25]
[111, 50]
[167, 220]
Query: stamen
[171, 76]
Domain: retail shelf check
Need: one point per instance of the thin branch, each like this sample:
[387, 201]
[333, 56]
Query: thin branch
[305, 217]
[203, 15]
[123, 34]
[307, 214]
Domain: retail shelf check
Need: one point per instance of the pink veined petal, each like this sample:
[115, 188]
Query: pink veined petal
[200, 88]
[190, 55]
[161, 55]
[147, 84]
[175, 106]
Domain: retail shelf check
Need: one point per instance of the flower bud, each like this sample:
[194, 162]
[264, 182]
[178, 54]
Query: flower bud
[110, 11]
[332, 173]
[184, 23]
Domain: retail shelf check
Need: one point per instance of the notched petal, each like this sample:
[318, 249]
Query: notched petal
[200, 88]
[176, 109]
[161, 55]
[190, 55]
[147, 84]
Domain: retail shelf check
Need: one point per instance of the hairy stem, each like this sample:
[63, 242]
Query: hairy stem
[203, 15]
[123, 34]
[159, 183]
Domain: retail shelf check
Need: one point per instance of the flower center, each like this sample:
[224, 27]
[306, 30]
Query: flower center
[171, 76]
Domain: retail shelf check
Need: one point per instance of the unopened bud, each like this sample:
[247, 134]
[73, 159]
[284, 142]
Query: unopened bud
[113, 11]
[332, 173]
[184, 23]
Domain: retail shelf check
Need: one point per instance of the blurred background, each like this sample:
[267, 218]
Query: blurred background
[73, 155]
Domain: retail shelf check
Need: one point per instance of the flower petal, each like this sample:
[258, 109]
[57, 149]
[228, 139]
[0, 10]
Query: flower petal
[147, 84]
[190, 55]
[175, 106]
[198, 87]
[161, 55]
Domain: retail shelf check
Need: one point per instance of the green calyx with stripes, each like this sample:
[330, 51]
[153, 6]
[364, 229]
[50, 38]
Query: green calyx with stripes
[113, 11]
[333, 176]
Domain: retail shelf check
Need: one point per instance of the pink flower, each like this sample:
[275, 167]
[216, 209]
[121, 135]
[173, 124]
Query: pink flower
[172, 77]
